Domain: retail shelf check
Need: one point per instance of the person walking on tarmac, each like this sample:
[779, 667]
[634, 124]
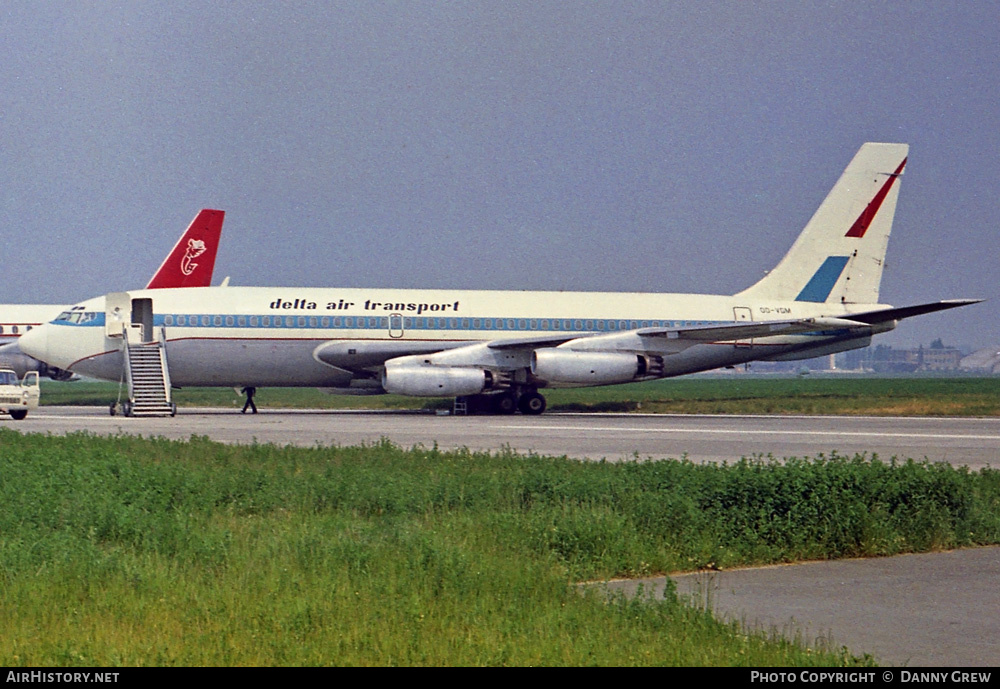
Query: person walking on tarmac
[249, 391]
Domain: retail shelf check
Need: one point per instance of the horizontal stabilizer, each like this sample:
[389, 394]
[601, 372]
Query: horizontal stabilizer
[897, 314]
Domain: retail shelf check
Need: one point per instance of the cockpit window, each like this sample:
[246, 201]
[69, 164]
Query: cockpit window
[79, 317]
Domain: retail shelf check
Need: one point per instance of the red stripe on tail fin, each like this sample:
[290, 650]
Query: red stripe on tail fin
[860, 225]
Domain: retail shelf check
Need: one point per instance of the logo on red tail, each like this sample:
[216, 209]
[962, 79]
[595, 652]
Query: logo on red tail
[195, 248]
[180, 268]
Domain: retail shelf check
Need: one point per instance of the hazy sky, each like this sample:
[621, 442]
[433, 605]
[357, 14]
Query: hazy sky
[650, 146]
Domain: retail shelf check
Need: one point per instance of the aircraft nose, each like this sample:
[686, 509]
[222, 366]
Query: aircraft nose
[35, 343]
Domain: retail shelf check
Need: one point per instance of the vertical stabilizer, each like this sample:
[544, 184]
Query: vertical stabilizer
[192, 260]
[840, 254]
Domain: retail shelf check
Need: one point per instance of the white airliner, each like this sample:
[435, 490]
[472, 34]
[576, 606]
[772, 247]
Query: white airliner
[502, 347]
[189, 264]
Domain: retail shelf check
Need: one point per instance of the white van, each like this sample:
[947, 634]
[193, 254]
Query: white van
[17, 397]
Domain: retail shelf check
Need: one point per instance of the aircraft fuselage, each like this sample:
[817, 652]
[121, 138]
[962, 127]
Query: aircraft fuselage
[234, 336]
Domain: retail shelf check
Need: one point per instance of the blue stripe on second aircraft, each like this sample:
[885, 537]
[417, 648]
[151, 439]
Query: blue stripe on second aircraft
[819, 287]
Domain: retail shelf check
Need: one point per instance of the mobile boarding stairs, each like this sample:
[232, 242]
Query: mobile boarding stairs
[147, 376]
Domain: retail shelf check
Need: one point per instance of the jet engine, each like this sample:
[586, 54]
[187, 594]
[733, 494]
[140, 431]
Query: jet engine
[439, 381]
[21, 363]
[592, 368]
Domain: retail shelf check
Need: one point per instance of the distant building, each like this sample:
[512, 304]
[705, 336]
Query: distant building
[943, 359]
[884, 359]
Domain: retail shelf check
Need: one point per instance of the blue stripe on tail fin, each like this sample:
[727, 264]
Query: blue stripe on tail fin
[819, 286]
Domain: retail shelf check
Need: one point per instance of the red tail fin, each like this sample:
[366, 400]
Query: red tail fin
[192, 260]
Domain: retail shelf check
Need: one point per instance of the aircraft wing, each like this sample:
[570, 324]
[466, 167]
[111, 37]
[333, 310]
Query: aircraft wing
[356, 355]
[695, 334]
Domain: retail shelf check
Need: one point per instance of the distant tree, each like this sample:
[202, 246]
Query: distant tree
[937, 344]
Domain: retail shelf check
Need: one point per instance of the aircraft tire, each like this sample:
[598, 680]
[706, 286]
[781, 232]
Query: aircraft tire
[504, 404]
[531, 403]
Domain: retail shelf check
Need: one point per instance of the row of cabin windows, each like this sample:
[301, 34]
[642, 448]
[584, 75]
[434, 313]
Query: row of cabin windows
[419, 323]
[14, 329]
[276, 321]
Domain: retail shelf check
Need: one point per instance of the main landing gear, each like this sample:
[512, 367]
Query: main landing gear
[531, 403]
[528, 402]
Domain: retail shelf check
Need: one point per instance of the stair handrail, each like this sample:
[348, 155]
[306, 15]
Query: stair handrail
[128, 366]
[162, 346]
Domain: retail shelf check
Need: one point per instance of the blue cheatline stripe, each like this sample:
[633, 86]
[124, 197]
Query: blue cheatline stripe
[819, 287]
[447, 323]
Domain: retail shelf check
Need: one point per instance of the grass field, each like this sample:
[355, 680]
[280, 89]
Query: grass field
[735, 394]
[129, 551]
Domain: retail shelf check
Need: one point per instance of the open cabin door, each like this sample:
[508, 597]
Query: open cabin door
[122, 311]
[142, 319]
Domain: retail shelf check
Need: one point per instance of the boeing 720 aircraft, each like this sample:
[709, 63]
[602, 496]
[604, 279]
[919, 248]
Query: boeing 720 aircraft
[189, 264]
[501, 348]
